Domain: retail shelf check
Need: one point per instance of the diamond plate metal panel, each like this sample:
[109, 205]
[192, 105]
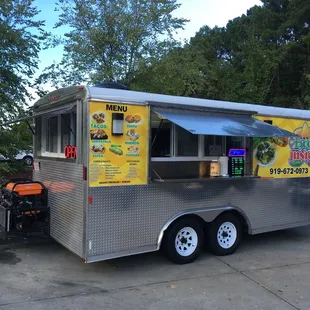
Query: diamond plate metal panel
[66, 201]
[129, 219]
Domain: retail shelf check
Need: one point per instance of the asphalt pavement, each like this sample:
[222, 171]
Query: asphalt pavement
[269, 271]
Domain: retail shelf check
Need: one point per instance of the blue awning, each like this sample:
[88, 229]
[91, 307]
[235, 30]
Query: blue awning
[202, 123]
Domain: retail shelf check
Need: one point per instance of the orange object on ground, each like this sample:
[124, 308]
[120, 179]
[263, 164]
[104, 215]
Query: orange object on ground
[25, 189]
[32, 212]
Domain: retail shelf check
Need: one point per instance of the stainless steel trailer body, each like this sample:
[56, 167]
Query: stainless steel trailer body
[99, 223]
[135, 224]
[140, 225]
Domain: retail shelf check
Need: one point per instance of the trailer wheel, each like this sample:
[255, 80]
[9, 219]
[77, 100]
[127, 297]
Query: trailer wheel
[224, 234]
[28, 160]
[183, 240]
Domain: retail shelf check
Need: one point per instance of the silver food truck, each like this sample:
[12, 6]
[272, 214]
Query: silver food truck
[131, 172]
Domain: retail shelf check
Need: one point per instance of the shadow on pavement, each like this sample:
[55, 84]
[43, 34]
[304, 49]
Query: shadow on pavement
[249, 243]
[18, 239]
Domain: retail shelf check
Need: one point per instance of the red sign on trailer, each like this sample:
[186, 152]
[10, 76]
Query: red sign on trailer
[70, 151]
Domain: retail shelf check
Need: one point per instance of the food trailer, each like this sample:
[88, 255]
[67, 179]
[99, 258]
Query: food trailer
[131, 172]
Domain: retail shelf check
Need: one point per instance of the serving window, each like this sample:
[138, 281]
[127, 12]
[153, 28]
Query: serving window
[161, 137]
[187, 144]
[179, 154]
[51, 134]
[55, 132]
[68, 130]
[214, 145]
[170, 142]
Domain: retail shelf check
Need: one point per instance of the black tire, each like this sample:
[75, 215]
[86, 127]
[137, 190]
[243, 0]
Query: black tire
[170, 236]
[213, 234]
[28, 160]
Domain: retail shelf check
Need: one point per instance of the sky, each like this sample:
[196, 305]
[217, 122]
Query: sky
[199, 12]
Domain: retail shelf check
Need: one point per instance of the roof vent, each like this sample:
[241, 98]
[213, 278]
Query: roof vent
[112, 85]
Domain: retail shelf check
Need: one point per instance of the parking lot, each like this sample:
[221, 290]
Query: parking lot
[269, 271]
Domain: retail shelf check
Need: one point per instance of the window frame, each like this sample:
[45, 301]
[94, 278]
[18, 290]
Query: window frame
[151, 140]
[44, 128]
[201, 149]
[224, 147]
[176, 143]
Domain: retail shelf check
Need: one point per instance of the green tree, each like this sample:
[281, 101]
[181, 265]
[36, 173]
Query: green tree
[108, 39]
[20, 42]
[186, 71]
[17, 138]
[267, 58]
[260, 57]
[181, 73]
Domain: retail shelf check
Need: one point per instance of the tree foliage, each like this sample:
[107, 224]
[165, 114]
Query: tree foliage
[261, 57]
[20, 42]
[20, 37]
[17, 138]
[109, 38]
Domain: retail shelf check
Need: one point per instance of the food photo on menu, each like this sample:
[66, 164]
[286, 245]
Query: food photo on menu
[99, 117]
[116, 150]
[133, 149]
[98, 148]
[133, 119]
[132, 134]
[98, 134]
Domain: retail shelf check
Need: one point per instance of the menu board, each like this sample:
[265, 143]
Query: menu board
[118, 142]
[236, 166]
[236, 162]
[283, 157]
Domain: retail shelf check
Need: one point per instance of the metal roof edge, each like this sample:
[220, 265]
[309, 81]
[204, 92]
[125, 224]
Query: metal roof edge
[57, 96]
[159, 99]
[169, 106]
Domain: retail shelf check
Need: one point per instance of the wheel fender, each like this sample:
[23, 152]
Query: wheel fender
[207, 215]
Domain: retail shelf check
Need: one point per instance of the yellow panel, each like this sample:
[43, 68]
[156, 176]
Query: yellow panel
[123, 159]
[285, 157]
